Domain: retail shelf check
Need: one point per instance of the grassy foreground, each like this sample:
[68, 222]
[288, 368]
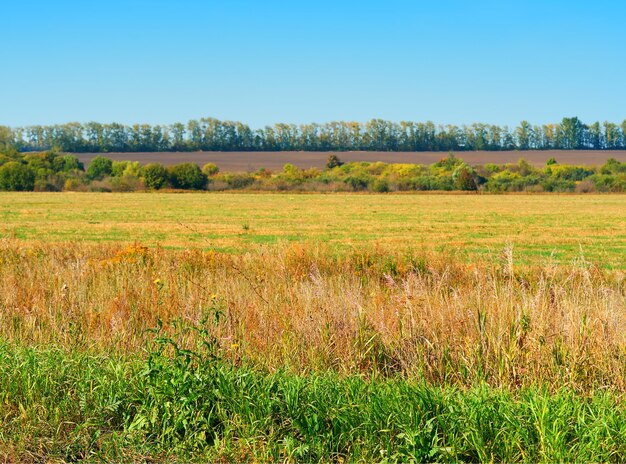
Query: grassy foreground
[378, 347]
[190, 406]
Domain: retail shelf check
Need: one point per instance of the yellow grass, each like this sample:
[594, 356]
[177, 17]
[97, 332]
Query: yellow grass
[305, 308]
[452, 288]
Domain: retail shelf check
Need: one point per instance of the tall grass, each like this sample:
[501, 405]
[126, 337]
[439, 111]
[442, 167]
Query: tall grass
[307, 309]
[190, 405]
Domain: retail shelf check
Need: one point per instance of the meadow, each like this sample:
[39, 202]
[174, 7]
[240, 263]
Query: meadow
[540, 228]
[312, 327]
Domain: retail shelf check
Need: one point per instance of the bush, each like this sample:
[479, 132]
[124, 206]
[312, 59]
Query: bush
[358, 182]
[67, 163]
[125, 168]
[126, 183]
[380, 185]
[210, 169]
[154, 175]
[333, 161]
[74, 185]
[99, 168]
[187, 176]
[52, 183]
[239, 181]
[16, 177]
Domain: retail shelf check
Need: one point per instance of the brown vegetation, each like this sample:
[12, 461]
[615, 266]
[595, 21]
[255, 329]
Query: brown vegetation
[308, 309]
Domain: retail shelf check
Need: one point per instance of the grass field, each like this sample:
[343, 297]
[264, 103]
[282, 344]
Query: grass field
[312, 328]
[540, 227]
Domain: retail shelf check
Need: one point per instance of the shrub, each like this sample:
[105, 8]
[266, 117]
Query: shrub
[358, 182]
[67, 163]
[239, 181]
[99, 168]
[210, 169]
[612, 166]
[126, 183]
[187, 176]
[15, 176]
[52, 183]
[126, 168]
[154, 175]
[101, 186]
[333, 161]
[463, 177]
[380, 185]
[74, 185]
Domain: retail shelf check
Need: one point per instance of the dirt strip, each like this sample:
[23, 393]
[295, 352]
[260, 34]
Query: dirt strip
[251, 161]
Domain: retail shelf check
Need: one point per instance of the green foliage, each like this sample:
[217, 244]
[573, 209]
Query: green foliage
[125, 168]
[333, 161]
[359, 181]
[376, 134]
[464, 178]
[155, 175]
[190, 404]
[187, 176]
[6, 138]
[52, 171]
[612, 166]
[210, 169]
[239, 181]
[551, 161]
[16, 176]
[99, 168]
[380, 186]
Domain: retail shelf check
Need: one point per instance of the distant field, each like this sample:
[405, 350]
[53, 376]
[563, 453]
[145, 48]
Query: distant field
[538, 226]
[244, 161]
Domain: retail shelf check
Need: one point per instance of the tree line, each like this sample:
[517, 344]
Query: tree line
[209, 134]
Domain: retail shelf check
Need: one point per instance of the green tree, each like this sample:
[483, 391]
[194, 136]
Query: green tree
[99, 168]
[187, 176]
[16, 177]
[154, 175]
[333, 161]
[464, 178]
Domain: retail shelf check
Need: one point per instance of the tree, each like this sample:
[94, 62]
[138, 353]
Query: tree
[16, 177]
[99, 168]
[187, 176]
[464, 178]
[571, 133]
[523, 134]
[6, 138]
[154, 175]
[333, 161]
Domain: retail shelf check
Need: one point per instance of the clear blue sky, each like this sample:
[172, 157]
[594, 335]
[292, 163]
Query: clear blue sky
[267, 61]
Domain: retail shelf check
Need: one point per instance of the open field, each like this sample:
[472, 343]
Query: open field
[275, 160]
[294, 353]
[218, 327]
[539, 227]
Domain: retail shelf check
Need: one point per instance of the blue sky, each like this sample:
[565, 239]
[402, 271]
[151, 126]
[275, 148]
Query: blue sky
[261, 62]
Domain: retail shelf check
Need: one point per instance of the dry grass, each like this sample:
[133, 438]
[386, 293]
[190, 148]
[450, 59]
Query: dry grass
[307, 308]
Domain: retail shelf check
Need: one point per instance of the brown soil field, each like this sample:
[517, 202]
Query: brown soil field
[275, 160]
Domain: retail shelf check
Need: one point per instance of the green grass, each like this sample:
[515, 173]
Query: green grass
[470, 225]
[192, 406]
